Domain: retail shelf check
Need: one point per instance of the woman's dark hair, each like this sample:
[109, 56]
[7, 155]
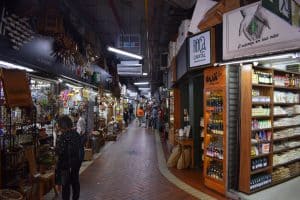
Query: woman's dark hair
[65, 122]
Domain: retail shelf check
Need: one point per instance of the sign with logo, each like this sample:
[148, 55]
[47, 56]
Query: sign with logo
[254, 30]
[200, 49]
[215, 77]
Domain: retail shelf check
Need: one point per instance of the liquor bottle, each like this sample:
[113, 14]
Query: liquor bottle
[287, 81]
[292, 81]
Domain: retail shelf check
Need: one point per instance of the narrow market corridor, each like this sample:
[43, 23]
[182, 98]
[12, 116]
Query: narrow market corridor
[128, 169]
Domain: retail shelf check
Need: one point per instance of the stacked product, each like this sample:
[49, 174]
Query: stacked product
[182, 33]
[257, 98]
[215, 149]
[285, 145]
[286, 97]
[286, 133]
[172, 52]
[259, 77]
[260, 180]
[215, 170]
[280, 173]
[287, 121]
[259, 163]
[293, 68]
[260, 111]
[291, 155]
[261, 124]
[287, 81]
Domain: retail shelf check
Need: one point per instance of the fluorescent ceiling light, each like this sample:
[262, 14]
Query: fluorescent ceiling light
[144, 88]
[290, 55]
[141, 83]
[125, 53]
[14, 66]
[73, 86]
[145, 74]
[129, 65]
[132, 63]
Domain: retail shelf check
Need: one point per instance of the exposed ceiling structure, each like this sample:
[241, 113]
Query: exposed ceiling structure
[155, 22]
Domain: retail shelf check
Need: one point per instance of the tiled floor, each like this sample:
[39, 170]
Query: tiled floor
[128, 169]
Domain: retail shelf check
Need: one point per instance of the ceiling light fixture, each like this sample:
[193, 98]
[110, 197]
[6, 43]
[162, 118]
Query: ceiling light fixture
[144, 88]
[8, 65]
[145, 74]
[125, 53]
[289, 55]
[141, 83]
[73, 86]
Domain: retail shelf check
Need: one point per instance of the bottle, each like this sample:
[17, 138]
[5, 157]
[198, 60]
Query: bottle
[287, 81]
[292, 84]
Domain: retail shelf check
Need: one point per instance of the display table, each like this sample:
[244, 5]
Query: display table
[189, 142]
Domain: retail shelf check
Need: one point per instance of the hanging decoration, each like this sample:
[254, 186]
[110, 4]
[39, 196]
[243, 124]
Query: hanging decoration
[16, 28]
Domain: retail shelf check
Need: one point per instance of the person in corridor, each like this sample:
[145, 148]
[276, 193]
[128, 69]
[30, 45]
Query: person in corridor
[140, 115]
[69, 152]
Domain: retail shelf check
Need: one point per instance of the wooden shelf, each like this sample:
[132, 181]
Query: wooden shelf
[263, 129]
[286, 115]
[285, 104]
[286, 72]
[214, 158]
[286, 88]
[261, 103]
[286, 149]
[284, 127]
[286, 138]
[286, 163]
[214, 179]
[261, 170]
[261, 188]
[262, 85]
[261, 117]
[260, 156]
[246, 87]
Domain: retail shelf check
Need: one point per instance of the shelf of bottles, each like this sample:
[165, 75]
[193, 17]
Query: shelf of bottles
[261, 126]
[214, 149]
[274, 128]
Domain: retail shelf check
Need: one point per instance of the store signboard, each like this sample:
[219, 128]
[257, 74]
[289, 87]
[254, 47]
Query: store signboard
[215, 77]
[200, 49]
[17, 93]
[254, 30]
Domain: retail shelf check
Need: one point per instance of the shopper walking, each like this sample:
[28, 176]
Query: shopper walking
[154, 117]
[126, 117]
[69, 152]
[140, 114]
[130, 112]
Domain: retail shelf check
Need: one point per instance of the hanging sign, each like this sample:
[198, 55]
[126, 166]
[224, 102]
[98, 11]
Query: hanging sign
[16, 88]
[200, 49]
[253, 30]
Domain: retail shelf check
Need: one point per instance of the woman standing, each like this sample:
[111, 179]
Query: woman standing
[69, 151]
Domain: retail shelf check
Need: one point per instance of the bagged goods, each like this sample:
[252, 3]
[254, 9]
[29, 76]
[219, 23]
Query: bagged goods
[173, 159]
[180, 163]
[88, 154]
[187, 157]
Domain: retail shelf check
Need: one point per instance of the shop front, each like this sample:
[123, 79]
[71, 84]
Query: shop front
[265, 50]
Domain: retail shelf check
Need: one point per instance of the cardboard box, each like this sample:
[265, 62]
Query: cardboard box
[182, 33]
[88, 154]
